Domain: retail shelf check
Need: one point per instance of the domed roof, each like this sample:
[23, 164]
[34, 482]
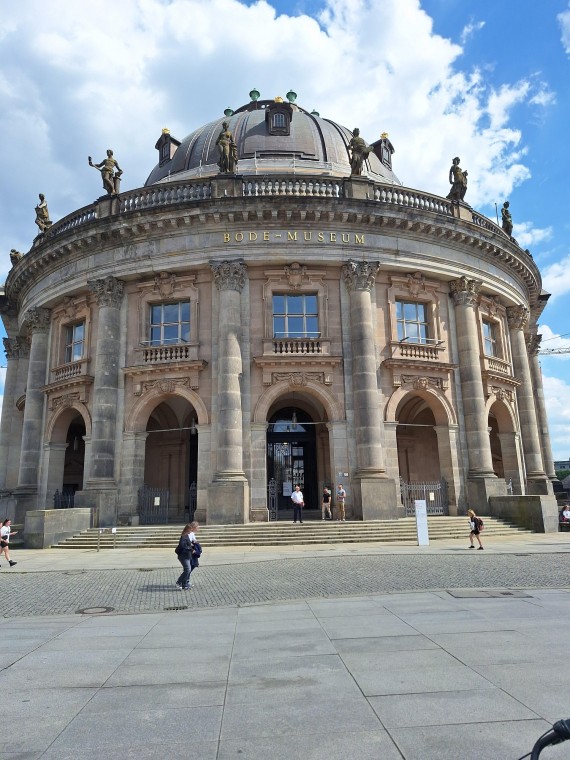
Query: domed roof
[272, 136]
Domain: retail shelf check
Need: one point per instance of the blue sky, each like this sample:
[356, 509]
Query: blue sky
[487, 81]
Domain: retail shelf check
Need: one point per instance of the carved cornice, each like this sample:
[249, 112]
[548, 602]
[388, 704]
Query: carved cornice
[11, 348]
[360, 275]
[151, 375]
[229, 275]
[533, 343]
[38, 319]
[465, 292]
[517, 317]
[108, 291]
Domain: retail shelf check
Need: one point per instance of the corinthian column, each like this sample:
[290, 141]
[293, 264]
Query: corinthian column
[8, 405]
[537, 483]
[109, 295]
[482, 481]
[229, 493]
[39, 321]
[542, 418]
[359, 277]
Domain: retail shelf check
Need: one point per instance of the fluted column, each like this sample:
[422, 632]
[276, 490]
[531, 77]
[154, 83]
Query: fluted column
[8, 405]
[229, 493]
[542, 417]
[109, 295]
[465, 294]
[517, 318]
[39, 320]
[359, 278]
[229, 277]
[15, 448]
[377, 491]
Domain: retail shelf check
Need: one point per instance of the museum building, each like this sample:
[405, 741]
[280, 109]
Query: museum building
[274, 307]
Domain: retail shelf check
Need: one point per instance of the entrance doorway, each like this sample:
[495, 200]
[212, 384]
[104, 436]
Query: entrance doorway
[292, 460]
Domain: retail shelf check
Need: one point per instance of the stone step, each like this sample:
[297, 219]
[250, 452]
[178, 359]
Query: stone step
[284, 534]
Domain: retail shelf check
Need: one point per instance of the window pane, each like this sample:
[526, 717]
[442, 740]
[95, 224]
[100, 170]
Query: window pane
[311, 304]
[296, 327]
[77, 351]
[185, 330]
[67, 357]
[171, 333]
[279, 326]
[423, 333]
[401, 331]
[155, 336]
[410, 312]
[294, 304]
[171, 312]
[312, 326]
[399, 310]
[279, 304]
[413, 332]
[156, 315]
[185, 311]
[79, 331]
[421, 312]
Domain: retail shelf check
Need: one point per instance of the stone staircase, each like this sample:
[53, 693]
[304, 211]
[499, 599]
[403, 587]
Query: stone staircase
[286, 533]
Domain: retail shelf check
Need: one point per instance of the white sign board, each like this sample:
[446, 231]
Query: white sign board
[421, 522]
[287, 488]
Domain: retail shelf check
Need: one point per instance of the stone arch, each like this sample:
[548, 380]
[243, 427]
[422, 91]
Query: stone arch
[332, 408]
[443, 411]
[56, 429]
[137, 418]
[503, 414]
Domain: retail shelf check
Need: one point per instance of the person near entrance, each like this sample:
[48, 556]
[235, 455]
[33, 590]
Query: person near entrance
[185, 551]
[298, 504]
[326, 502]
[340, 501]
[5, 540]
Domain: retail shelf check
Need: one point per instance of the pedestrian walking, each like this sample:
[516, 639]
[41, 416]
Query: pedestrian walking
[476, 525]
[184, 554]
[5, 532]
[326, 503]
[298, 504]
[340, 502]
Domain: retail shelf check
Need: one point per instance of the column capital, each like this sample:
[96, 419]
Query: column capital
[517, 317]
[108, 291]
[11, 348]
[360, 275]
[465, 292]
[38, 319]
[533, 343]
[24, 343]
[229, 275]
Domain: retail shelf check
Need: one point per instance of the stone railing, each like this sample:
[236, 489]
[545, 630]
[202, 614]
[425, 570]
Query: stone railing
[403, 196]
[70, 370]
[316, 187]
[486, 223]
[496, 365]
[77, 219]
[425, 351]
[163, 195]
[283, 346]
[166, 354]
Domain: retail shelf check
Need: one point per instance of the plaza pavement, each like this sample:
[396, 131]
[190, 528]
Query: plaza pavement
[374, 652]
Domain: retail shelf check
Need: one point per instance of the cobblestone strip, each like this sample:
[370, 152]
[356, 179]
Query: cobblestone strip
[60, 593]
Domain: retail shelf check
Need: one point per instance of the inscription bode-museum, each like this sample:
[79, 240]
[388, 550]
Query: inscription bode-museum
[296, 235]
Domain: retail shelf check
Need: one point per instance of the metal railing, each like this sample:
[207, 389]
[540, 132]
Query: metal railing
[63, 499]
[272, 500]
[192, 501]
[433, 492]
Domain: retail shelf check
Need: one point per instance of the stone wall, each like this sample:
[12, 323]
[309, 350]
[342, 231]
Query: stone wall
[538, 513]
[45, 527]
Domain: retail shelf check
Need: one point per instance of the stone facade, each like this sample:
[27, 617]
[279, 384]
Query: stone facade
[205, 334]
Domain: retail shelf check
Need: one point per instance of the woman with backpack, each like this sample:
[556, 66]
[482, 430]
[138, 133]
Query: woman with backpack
[184, 552]
[476, 525]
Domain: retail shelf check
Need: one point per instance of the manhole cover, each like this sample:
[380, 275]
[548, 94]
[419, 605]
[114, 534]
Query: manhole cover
[175, 609]
[95, 610]
[473, 593]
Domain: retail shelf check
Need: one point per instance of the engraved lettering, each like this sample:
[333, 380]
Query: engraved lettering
[359, 238]
[345, 237]
[239, 237]
[266, 235]
[333, 237]
[307, 235]
[291, 236]
[253, 235]
[321, 237]
[226, 237]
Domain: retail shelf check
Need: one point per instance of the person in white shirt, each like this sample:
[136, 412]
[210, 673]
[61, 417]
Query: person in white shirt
[5, 532]
[298, 504]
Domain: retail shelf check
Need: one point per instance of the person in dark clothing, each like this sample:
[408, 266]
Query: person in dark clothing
[184, 553]
[474, 523]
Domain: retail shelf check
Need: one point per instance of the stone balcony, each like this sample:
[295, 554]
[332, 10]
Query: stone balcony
[149, 362]
[70, 382]
[430, 352]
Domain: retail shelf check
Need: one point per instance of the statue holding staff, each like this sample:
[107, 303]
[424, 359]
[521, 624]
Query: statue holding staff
[507, 219]
[359, 151]
[110, 172]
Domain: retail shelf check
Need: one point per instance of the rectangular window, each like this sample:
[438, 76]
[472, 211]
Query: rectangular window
[74, 342]
[169, 323]
[295, 316]
[489, 339]
[412, 322]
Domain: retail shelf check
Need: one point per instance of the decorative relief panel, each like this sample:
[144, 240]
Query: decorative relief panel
[165, 284]
[299, 378]
[360, 275]
[501, 394]
[421, 382]
[165, 385]
[465, 292]
[517, 317]
[295, 275]
[415, 284]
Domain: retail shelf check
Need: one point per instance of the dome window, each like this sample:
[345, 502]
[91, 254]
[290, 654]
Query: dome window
[166, 146]
[383, 150]
[278, 117]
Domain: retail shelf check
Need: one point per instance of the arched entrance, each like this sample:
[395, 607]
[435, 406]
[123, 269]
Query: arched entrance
[292, 460]
[171, 458]
[74, 461]
[418, 455]
[65, 459]
[504, 444]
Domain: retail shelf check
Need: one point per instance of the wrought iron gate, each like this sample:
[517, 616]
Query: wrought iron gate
[192, 500]
[153, 505]
[272, 500]
[434, 493]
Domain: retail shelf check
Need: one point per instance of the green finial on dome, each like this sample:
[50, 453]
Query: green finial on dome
[254, 94]
[228, 112]
[291, 96]
[315, 113]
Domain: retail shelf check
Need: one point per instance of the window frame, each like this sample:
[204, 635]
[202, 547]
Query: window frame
[403, 322]
[69, 330]
[179, 340]
[288, 315]
[493, 338]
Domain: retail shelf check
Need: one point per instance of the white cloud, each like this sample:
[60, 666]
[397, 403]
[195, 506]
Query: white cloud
[564, 20]
[551, 339]
[528, 236]
[470, 29]
[556, 277]
[557, 393]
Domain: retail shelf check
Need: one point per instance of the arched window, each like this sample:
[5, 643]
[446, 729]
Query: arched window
[278, 121]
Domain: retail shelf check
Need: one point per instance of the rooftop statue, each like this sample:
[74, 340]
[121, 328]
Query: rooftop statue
[228, 150]
[359, 151]
[458, 181]
[15, 256]
[507, 219]
[42, 215]
[110, 173]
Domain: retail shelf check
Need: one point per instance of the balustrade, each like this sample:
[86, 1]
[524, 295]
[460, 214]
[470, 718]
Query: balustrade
[165, 354]
[426, 351]
[67, 371]
[297, 346]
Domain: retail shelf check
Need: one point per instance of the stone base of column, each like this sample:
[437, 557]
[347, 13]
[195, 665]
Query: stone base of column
[8, 507]
[378, 500]
[539, 487]
[228, 502]
[103, 502]
[480, 489]
[26, 501]
[538, 513]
